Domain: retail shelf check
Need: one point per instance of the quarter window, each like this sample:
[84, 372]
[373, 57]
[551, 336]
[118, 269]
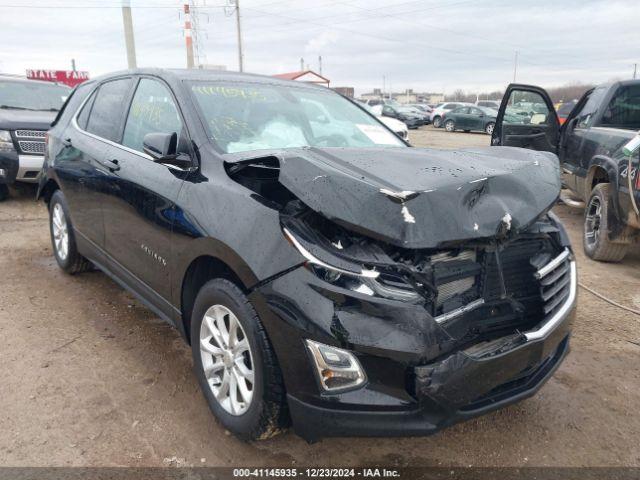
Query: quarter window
[108, 108]
[83, 117]
[152, 111]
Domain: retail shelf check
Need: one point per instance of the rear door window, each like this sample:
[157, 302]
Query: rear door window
[105, 119]
[152, 111]
[623, 110]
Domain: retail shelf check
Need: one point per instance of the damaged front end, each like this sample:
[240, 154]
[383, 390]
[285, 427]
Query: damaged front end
[435, 321]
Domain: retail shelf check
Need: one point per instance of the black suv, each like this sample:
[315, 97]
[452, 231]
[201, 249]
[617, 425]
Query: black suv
[324, 272]
[27, 108]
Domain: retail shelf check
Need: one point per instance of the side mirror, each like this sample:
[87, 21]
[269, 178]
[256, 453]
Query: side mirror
[162, 147]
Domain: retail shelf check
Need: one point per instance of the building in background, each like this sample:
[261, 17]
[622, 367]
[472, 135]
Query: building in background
[346, 91]
[308, 76]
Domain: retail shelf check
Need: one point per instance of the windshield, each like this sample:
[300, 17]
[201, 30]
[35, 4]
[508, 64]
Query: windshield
[26, 95]
[243, 117]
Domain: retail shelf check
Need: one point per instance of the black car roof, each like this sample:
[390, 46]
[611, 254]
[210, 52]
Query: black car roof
[197, 74]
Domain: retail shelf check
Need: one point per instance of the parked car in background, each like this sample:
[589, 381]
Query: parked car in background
[423, 116]
[410, 119]
[596, 150]
[436, 114]
[27, 108]
[325, 274]
[470, 118]
[397, 126]
[489, 104]
[423, 107]
[564, 110]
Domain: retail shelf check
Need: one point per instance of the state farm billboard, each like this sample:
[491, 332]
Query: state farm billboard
[68, 77]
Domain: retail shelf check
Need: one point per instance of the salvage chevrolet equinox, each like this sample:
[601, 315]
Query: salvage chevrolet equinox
[325, 274]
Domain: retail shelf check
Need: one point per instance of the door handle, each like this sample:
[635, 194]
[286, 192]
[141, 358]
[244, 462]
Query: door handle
[112, 165]
[67, 142]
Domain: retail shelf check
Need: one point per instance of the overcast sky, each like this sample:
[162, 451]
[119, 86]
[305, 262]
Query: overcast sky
[427, 45]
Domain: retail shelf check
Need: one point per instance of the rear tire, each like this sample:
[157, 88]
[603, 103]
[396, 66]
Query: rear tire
[450, 126]
[437, 122]
[489, 128]
[63, 239]
[4, 192]
[257, 410]
[595, 239]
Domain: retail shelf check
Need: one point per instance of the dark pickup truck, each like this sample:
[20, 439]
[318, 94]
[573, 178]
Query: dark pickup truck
[27, 108]
[594, 145]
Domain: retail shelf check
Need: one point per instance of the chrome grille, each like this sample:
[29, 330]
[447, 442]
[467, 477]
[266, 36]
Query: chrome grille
[30, 146]
[555, 282]
[30, 133]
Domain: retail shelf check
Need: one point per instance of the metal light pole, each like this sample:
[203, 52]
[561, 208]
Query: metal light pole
[515, 67]
[239, 32]
[128, 33]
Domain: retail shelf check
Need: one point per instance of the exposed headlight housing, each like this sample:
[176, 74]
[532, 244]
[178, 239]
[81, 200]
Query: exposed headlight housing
[336, 369]
[350, 276]
[6, 144]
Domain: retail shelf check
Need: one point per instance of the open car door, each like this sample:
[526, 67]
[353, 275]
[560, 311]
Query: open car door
[526, 119]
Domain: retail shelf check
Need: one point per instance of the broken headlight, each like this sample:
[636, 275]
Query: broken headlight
[346, 274]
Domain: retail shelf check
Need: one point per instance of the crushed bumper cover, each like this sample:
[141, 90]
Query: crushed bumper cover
[463, 385]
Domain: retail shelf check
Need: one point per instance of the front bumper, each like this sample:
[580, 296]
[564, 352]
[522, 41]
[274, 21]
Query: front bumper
[29, 168]
[415, 384]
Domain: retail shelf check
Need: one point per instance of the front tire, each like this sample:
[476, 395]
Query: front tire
[437, 122]
[235, 364]
[489, 128]
[595, 237]
[450, 126]
[63, 239]
[4, 192]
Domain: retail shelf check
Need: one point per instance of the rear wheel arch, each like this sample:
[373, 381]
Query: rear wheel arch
[597, 174]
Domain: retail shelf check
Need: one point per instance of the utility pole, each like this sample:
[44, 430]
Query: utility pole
[73, 64]
[320, 64]
[635, 70]
[515, 67]
[384, 79]
[128, 33]
[239, 32]
[301, 64]
[187, 35]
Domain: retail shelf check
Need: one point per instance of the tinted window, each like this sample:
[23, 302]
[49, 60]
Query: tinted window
[525, 107]
[108, 109]
[624, 109]
[449, 106]
[590, 107]
[83, 117]
[475, 111]
[152, 111]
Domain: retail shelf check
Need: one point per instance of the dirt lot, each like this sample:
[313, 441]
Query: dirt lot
[90, 377]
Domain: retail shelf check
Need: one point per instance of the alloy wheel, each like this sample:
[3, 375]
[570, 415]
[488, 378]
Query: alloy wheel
[60, 232]
[592, 221]
[489, 129]
[449, 126]
[227, 359]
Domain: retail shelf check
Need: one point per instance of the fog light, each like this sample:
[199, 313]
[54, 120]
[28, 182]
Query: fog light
[337, 369]
[3, 172]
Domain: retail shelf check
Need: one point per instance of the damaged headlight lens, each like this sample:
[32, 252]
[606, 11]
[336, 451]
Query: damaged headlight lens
[337, 369]
[357, 278]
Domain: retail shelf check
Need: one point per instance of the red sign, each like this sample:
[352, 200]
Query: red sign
[68, 77]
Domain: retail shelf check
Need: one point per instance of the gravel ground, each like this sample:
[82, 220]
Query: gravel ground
[92, 378]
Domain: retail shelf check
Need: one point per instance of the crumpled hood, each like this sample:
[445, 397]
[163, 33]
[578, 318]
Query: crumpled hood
[419, 197]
